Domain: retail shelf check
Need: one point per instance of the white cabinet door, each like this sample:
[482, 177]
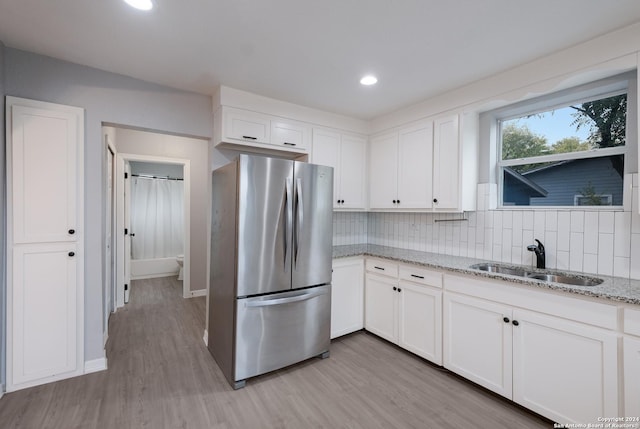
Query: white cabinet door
[415, 167]
[44, 317]
[353, 161]
[347, 297]
[564, 370]
[45, 293]
[290, 135]
[326, 151]
[383, 171]
[446, 164]
[43, 175]
[420, 312]
[477, 341]
[381, 309]
[631, 376]
[247, 126]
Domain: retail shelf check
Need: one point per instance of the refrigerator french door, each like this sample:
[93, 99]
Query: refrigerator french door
[269, 293]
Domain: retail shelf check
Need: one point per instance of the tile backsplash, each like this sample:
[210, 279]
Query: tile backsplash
[591, 241]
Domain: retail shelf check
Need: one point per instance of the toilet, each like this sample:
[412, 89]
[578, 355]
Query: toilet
[180, 261]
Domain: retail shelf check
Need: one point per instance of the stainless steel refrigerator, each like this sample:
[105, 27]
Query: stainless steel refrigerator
[271, 251]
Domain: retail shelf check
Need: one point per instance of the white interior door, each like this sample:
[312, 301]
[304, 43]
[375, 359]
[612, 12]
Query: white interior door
[45, 254]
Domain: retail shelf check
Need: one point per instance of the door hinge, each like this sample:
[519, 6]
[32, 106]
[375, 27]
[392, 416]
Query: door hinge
[126, 231]
[126, 286]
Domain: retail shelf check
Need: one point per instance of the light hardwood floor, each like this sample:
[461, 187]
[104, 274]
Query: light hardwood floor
[161, 376]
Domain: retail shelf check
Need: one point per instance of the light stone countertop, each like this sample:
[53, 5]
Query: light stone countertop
[613, 288]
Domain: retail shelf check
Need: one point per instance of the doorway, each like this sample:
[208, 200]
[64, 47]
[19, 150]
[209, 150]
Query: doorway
[125, 189]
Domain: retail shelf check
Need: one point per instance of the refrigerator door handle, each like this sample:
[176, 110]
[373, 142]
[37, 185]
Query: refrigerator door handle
[288, 218]
[299, 219]
[288, 300]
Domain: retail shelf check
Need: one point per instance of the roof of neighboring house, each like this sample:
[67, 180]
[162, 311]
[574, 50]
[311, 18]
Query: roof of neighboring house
[535, 188]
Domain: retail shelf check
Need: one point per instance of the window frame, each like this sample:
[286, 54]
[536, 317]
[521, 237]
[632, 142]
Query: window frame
[605, 88]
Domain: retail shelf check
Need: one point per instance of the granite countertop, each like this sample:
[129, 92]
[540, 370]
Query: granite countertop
[613, 288]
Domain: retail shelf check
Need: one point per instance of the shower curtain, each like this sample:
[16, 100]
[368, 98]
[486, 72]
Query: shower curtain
[157, 218]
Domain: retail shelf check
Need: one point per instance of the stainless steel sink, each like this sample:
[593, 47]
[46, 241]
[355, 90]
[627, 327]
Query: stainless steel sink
[568, 280]
[546, 277]
[500, 269]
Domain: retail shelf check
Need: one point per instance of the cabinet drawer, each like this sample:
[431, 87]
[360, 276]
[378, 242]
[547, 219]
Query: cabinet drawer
[385, 268]
[420, 275]
[632, 321]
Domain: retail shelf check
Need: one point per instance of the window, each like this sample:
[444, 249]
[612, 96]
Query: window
[566, 149]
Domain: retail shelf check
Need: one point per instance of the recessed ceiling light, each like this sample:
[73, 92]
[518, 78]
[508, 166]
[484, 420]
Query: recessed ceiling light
[140, 4]
[369, 80]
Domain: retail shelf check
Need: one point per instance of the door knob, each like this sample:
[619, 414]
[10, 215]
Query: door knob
[72, 254]
[72, 231]
[435, 200]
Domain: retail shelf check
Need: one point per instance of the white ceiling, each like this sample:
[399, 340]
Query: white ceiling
[311, 52]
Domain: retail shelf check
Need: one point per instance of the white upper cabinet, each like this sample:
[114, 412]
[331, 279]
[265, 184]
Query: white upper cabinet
[400, 168]
[246, 126]
[290, 134]
[446, 164]
[428, 166]
[347, 155]
[415, 157]
[238, 127]
[383, 171]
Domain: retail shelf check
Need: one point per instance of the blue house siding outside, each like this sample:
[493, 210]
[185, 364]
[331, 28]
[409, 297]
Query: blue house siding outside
[564, 180]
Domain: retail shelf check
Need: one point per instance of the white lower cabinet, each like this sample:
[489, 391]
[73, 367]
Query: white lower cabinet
[478, 341]
[381, 307]
[564, 370]
[347, 296]
[561, 369]
[631, 376]
[420, 320]
[406, 313]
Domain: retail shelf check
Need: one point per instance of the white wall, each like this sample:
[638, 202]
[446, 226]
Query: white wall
[196, 151]
[106, 98]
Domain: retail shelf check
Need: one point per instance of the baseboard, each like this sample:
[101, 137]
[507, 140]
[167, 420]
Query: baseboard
[199, 292]
[95, 365]
[206, 338]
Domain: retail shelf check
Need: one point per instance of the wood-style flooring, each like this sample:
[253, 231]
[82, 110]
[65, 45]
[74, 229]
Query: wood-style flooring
[161, 376]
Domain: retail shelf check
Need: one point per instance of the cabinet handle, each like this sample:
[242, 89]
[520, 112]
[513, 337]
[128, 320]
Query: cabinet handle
[338, 201]
[435, 200]
[342, 201]
[506, 319]
[395, 288]
[250, 138]
[416, 276]
[399, 290]
[379, 268]
[290, 144]
[72, 231]
[398, 201]
[515, 323]
[72, 254]
[394, 201]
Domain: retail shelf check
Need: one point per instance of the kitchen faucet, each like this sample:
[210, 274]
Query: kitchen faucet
[539, 250]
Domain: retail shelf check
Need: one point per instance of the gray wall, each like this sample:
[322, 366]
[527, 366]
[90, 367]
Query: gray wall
[3, 289]
[106, 98]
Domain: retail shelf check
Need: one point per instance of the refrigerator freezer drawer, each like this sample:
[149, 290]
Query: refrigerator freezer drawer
[281, 329]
